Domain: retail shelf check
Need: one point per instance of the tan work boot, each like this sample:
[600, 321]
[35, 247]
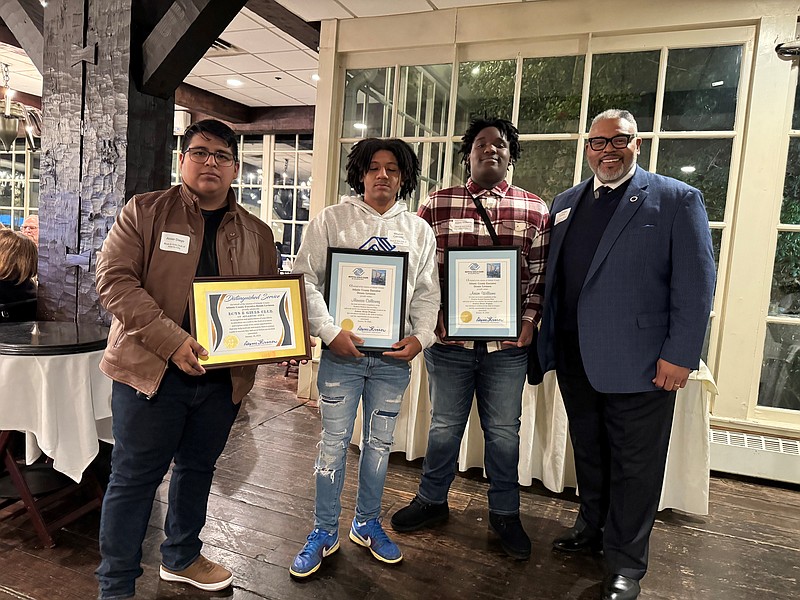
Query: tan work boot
[202, 573]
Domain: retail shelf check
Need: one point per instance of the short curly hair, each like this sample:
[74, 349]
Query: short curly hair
[504, 126]
[361, 156]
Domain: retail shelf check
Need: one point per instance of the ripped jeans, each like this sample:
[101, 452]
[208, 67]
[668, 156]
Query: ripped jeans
[342, 381]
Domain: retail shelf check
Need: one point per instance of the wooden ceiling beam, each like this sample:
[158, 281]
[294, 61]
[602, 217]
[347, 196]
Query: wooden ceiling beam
[198, 100]
[303, 31]
[25, 20]
[179, 41]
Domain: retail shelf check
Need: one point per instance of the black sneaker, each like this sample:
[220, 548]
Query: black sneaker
[513, 538]
[419, 515]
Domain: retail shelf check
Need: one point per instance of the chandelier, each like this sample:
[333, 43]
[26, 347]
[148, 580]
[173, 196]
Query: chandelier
[13, 112]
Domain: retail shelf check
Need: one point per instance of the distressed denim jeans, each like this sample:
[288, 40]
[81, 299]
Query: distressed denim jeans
[381, 382]
[455, 375]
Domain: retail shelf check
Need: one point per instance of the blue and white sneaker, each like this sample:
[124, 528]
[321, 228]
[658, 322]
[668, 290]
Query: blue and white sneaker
[371, 535]
[319, 544]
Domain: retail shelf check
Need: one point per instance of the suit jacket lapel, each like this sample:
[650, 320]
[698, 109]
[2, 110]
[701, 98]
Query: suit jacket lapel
[634, 197]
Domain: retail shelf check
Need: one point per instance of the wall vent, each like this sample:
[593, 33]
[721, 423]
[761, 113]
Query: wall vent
[754, 442]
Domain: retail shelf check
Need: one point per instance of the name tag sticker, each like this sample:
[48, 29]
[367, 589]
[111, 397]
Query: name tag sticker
[462, 225]
[561, 215]
[398, 238]
[174, 242]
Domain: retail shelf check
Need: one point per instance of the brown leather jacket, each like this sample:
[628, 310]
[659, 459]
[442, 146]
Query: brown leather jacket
[147, 288]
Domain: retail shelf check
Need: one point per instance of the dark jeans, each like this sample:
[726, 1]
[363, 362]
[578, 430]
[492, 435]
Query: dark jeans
[188, 420]
[455, 375]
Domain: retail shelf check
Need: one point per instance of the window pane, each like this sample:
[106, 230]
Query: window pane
[790, 209]
[431, 161]
[251, 172]
[643, 160]
[35, 164]
[5, 216]
[305, 142]
[304, 169]
[780, 368]
[253, 144]
[785, 295]
[701, 87]
[796, 113]
[283, 204]
[18, 191]
[625, 80]
[484, 88]
[424, 99]
[303, 203]
[704, 164]
[550, 99]
[368, 103]
[545, 168]
[716, 244]
[284, 168]
[285, 142]
[344, 189]
[459, 175]
[298, 238]
[251, 200]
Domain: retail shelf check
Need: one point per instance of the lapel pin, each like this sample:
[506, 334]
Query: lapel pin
[633, 198]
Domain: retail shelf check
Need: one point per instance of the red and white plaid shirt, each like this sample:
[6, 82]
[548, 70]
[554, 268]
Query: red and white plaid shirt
[519, 218]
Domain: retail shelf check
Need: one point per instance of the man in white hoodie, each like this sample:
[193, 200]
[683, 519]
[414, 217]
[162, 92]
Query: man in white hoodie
[381, 171]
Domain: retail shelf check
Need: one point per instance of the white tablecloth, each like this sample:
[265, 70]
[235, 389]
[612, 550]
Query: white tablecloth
[62, 403]
[545, 447]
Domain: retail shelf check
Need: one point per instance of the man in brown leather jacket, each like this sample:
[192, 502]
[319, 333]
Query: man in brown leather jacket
[166, 406]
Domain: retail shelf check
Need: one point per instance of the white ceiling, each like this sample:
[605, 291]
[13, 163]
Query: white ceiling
[274, 69]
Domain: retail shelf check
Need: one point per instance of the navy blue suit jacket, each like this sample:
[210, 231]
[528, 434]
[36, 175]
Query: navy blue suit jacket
[648, 292]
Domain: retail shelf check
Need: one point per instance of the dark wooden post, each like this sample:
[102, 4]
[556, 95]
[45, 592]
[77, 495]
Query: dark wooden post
[104, 139]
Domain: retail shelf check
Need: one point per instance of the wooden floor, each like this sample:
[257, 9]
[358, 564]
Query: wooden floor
[261, 509]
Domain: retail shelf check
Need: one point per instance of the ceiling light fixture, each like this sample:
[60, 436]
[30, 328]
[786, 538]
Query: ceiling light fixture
[315, 77]
[13, 112]
[234, 83]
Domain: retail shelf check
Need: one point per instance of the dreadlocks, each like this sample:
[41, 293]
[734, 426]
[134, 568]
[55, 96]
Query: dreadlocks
[361, 155]
[506, 129]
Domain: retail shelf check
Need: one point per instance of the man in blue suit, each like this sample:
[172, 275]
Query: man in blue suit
[629, 284]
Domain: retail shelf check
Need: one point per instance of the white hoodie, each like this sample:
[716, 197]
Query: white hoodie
[355, 224]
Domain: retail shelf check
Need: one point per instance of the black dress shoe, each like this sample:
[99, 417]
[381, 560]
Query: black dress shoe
[578, 540]
[619, 587]
[513, 539]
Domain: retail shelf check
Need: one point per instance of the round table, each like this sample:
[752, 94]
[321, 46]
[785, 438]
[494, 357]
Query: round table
[49, 338]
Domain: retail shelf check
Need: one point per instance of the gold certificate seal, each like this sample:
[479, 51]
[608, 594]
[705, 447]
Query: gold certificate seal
[466, 316]
[347, 325]
[230, 341]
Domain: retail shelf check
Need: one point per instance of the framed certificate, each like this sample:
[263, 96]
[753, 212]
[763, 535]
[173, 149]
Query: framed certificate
[482, 293]
[250, 320]
[366, 294]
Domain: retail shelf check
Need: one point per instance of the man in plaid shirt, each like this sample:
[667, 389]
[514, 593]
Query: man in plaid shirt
[494, 372]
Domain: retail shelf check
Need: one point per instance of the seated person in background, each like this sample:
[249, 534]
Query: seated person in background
[30, 228]
[19, 261]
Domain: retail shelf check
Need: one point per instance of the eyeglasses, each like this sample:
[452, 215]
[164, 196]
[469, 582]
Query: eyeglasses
[618, 141]
[200, 156]
[27, 227]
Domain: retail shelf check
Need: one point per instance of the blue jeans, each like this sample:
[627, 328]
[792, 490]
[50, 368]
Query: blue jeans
[342, 381]
[455, 374]
[189, 419]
